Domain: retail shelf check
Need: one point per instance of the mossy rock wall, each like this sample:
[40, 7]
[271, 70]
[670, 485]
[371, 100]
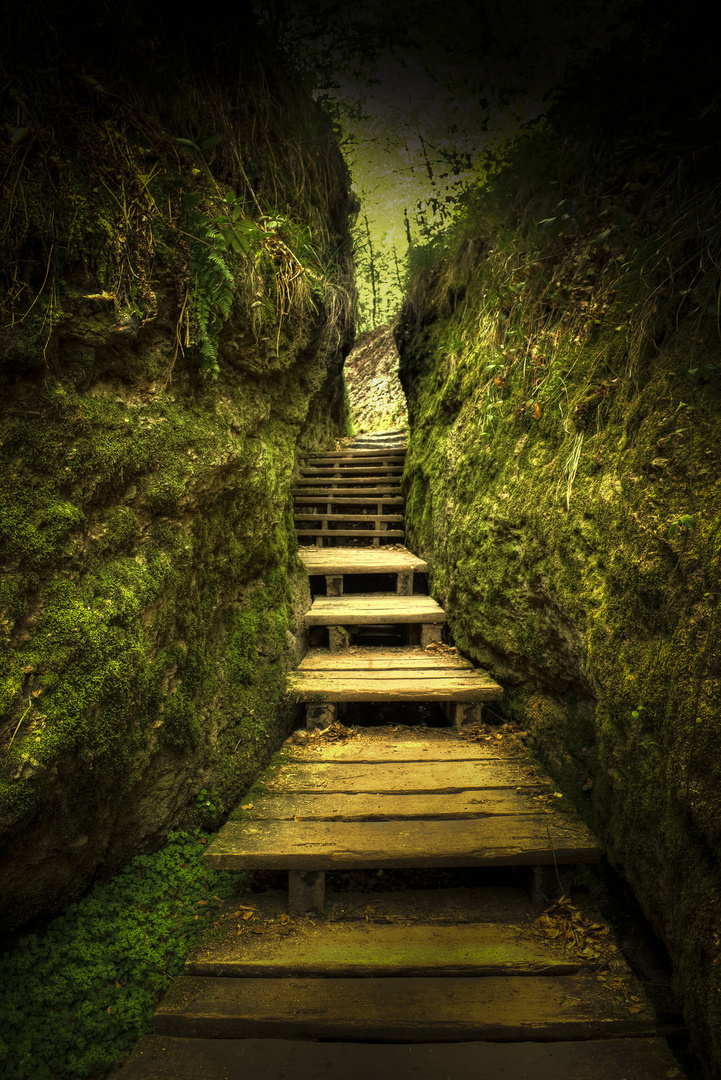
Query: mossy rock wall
[560, 353]
[152, 598]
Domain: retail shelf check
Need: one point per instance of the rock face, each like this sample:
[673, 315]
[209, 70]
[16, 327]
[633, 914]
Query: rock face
[375, 395]
[169, 340]
[562, 480]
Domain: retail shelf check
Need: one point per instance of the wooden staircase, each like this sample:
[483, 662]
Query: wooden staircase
[426, 984]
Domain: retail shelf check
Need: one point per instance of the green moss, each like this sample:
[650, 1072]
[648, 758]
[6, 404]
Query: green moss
[563, 429]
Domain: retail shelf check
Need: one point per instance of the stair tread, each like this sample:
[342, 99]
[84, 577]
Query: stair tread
[159, 1057]
[330, 776]
[409, 744]
[359, 608]
[372, 453]
[339, 560]
[430, 685]
[300, 516]
[337, 494]
[513, 840]
[385, 533]
[364, 806]
[304, 948]
[408, 658]
[362, 500]
[356, 482]
[401, 1009]
[351, 470]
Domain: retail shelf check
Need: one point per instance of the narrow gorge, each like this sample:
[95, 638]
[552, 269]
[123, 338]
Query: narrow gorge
[178, 336]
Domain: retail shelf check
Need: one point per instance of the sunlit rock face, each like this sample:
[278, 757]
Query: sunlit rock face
[165, 350]
[375, 395]
[562, 480]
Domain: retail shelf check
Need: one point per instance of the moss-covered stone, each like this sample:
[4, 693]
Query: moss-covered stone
[563, 482]
[151, 592]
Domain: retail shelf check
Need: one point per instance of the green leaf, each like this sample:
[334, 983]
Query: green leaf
[188, 142]
[212, 140]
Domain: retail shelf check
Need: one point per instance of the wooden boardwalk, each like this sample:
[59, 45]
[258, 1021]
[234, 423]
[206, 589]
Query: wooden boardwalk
[461, 983]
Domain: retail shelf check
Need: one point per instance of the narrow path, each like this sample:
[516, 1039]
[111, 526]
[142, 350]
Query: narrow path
[429, 984]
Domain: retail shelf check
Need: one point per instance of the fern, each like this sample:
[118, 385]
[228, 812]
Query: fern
[212, 295]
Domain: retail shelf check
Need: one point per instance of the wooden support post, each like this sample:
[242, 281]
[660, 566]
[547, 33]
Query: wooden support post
[320, 716]
[405, 583]
[306, 892]
[338, 639]
[549, 883]
[467, 714]
[430, 632]
[334, 586]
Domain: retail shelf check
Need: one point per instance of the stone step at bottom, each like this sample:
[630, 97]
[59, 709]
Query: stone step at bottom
[158, 1057]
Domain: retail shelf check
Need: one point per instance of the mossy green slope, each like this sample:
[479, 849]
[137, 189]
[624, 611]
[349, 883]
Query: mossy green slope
[560, 355]
[178, 304]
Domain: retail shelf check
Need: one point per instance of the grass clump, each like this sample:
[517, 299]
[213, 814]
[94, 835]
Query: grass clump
[76, 997]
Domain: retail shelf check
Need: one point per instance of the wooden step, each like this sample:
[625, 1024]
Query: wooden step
[159, 1057]
[352, 950]
[339, 560]
[545, 1008]
[372, 454]
[356, 484]
[380, 471]
[412, 675]
[401, 658]
[384, 534]
[338, 777]
[371, 608]
[362, 500]
[393, 686]
[335, 519]
[521, 840]
[338, 494]
[372, 807]
[412, 745]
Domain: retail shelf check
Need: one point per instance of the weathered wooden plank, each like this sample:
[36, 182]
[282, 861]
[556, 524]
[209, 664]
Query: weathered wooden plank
[365, 749]
[356, 455]
[351, 532]
[395, 777]
[346, 845]
[340, 560]
[352, 950]
[392, 686]
[360, 500]
[408, 660]
[352, 470]
[412, 1010]
[365, 807]
[364, 658]
[378, 600]
[350, 483]
[360, 609]
[159, 1057]
[347, 517]
[407, 676]
[338, 494]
